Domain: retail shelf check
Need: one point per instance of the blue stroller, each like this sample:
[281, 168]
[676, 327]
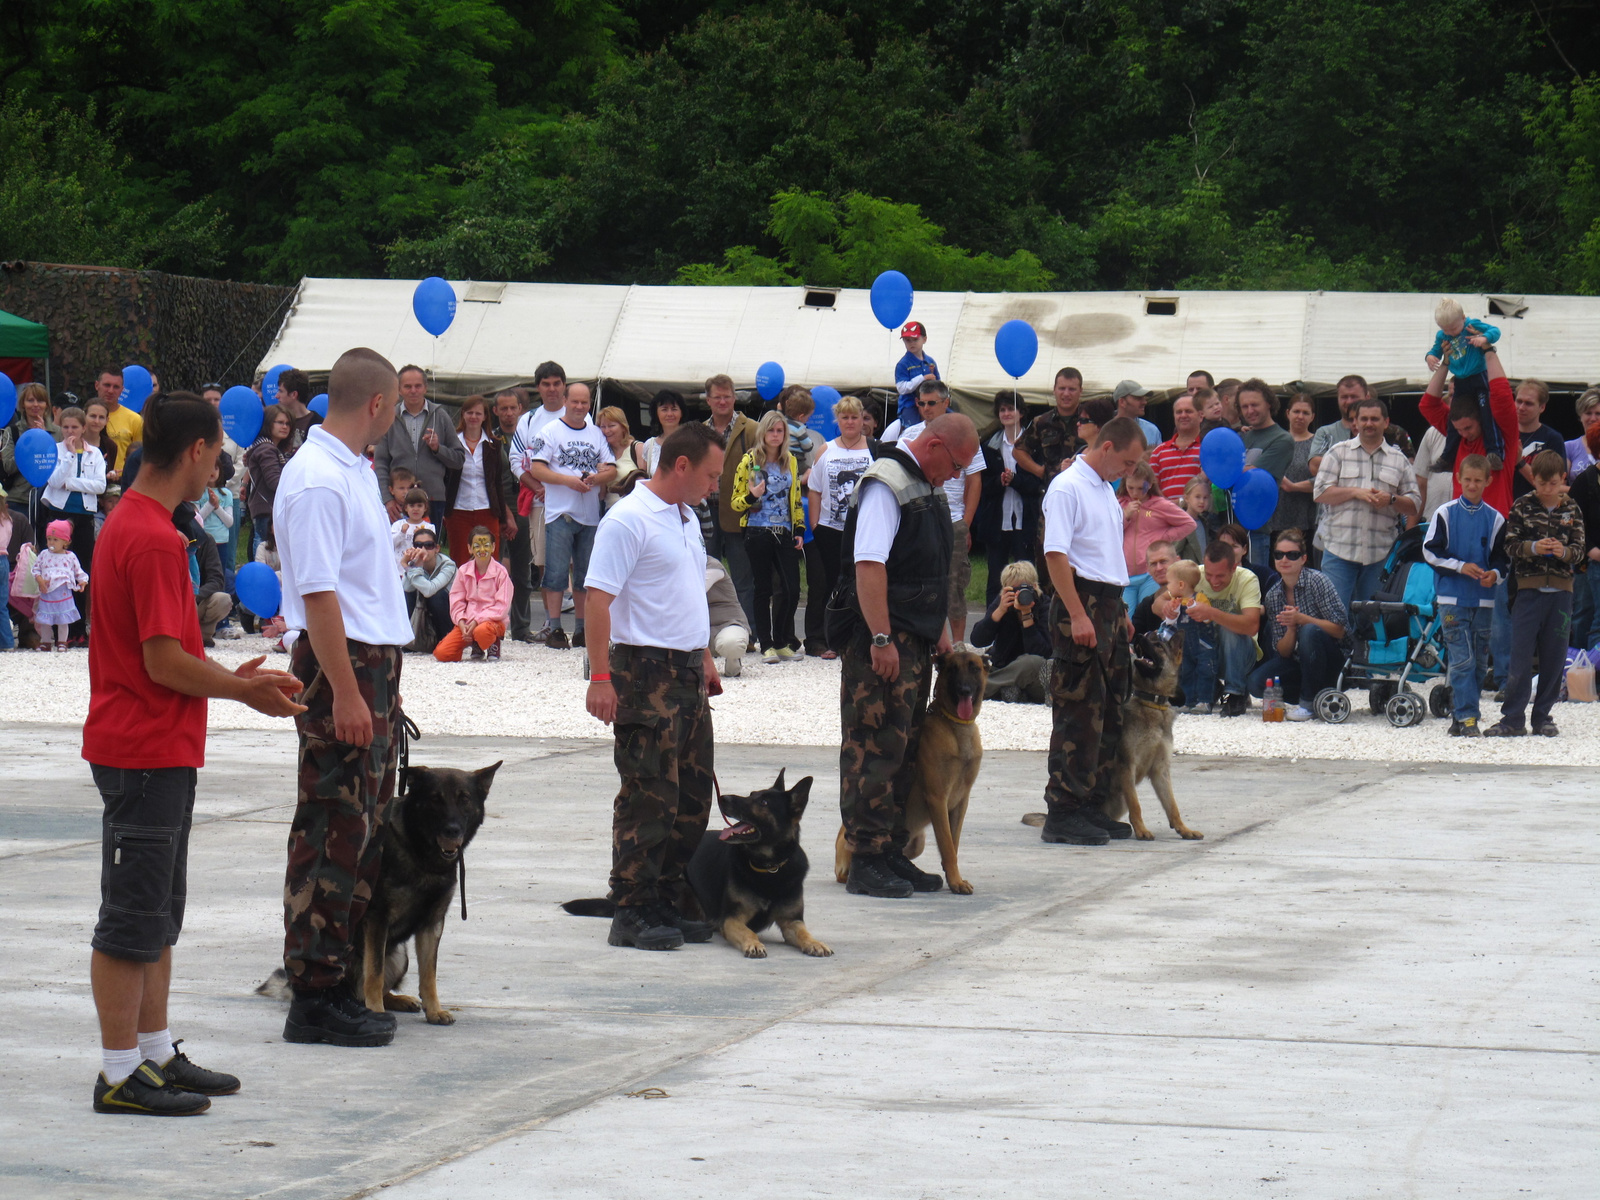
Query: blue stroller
[1398, 641]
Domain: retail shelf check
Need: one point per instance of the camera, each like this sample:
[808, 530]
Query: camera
[1027, 596]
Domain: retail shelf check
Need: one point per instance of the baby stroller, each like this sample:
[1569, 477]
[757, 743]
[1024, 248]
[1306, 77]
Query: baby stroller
[1399, 641]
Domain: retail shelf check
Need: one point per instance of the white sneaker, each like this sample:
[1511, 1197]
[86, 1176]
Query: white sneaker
[1298, 712]
[732, 665]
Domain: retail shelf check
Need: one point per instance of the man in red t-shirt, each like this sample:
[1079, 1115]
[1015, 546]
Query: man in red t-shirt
[1464, 416]
[145, 740]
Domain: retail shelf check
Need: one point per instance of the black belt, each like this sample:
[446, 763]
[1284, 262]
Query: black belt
[678, 658]
[1096, 587]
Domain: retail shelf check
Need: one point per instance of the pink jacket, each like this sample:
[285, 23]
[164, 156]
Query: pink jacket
[1159, 520]
[485, 597]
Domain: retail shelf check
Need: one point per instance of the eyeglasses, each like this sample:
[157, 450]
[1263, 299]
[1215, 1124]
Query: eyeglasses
[1291, 555]
[929, 403]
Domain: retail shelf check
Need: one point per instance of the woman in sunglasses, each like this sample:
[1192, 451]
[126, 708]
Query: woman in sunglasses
[1305, 625]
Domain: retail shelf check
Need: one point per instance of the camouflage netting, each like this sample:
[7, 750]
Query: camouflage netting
[188, 331]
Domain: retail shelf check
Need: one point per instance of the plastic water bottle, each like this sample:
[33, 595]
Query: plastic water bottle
[1272, 701]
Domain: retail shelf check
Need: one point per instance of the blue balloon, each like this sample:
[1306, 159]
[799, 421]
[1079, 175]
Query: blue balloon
[891, 299]
[769, 380]
[136, 385]
[1016, 345]
[434, 302]
[319, 405]
[822, 418]
[269, 383]
[241, 414]
[36, 456]
[8, 398]
[258, 588]
[1222, 457]
[1255, 499]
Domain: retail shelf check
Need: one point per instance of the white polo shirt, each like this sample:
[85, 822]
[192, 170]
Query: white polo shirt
[1083, 520]
[649, 554]
[333, 535]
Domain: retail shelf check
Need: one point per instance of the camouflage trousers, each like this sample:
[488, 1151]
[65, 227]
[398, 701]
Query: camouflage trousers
[1087, 687]
[878, 750]
[336, 838]
[665, 757]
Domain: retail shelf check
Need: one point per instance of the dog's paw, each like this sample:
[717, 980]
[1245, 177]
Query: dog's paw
[443, 1017]
[960, 887]
[755, 951]
[815, 949]
[1189, 835]
[1143, 834]
[394, 1003]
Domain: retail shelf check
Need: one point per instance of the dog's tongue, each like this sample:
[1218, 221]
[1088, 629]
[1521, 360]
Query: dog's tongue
[964, 709]
[736, 830]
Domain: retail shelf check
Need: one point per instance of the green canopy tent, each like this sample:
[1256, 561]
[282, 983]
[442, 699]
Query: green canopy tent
[25, 340]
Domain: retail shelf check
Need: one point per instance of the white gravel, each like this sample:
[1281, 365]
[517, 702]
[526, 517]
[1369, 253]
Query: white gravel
[537, 692]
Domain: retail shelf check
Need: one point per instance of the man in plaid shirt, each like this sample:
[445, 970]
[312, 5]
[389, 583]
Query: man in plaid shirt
[1366, 486]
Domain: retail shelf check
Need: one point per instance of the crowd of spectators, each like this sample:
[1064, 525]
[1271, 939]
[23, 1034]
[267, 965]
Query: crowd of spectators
[499, 497]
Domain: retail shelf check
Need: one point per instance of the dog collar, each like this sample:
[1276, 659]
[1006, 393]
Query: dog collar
[1150, 699]
[772, 870]
[945, 712]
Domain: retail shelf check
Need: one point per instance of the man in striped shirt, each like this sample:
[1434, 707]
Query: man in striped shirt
[1177, 460]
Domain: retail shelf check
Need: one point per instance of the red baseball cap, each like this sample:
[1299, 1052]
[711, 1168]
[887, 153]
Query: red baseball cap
[913, 329]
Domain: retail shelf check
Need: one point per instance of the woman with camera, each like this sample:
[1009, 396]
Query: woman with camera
[1018, 639]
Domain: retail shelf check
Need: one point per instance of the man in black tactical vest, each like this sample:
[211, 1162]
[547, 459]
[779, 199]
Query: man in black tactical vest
[887, 616]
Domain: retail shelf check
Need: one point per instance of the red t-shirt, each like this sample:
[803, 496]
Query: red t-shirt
[1503, 408]
[142, 589]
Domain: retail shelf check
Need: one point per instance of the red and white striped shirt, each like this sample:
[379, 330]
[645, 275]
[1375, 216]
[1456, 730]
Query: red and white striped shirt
[1175, 465]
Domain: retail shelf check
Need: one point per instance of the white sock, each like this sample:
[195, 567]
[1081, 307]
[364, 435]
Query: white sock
[117, 1065]
[157, 1047]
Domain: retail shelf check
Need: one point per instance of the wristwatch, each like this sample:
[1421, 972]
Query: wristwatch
[880, 640]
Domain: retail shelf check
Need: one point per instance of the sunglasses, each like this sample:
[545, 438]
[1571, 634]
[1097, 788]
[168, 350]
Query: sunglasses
[426, 545]
[1291, 555]
[1085, 420]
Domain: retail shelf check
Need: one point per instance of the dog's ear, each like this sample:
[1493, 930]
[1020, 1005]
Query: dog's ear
[798, 797]
[778, 784]
[418, 781]
[484, 776]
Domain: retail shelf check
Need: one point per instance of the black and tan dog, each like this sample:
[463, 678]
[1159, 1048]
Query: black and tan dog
[750, 875]
[949, 754]
[426, 831]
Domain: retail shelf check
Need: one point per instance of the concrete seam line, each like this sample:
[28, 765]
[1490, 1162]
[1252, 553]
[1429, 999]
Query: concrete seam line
[1158, 865]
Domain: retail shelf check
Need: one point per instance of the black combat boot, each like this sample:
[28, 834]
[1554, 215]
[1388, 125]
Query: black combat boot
[870, 875]
[645, 926]
[895, 859]
[1069, 826]
[333, 1015]
[694, 929]
[1095, 815]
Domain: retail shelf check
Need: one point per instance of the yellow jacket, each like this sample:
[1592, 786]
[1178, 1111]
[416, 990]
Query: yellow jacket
[744, 502]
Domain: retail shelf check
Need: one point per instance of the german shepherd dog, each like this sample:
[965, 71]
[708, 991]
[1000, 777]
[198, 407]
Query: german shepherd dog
[426, 831]
[1146, 748]
[750, 875]
[949, 753]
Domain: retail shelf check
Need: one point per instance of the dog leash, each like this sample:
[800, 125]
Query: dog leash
[408, 730]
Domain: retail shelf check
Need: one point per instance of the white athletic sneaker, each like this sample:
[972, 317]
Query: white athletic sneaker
[1298, 712]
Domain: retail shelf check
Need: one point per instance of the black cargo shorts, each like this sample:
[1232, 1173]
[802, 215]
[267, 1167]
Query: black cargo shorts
[144, 856]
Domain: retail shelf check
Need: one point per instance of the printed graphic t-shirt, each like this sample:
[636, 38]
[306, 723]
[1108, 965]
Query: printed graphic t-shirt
[573, 452]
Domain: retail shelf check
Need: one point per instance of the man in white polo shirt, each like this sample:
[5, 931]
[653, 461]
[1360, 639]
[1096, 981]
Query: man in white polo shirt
[647, 600]
[1089, 635]
[346, 614]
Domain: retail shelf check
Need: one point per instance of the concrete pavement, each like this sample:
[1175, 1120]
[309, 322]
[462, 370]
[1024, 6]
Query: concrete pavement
[1364, 982]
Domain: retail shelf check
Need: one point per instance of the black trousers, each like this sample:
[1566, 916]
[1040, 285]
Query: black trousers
[774, 558]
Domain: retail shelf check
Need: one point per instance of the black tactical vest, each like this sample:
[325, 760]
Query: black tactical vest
[919, 557]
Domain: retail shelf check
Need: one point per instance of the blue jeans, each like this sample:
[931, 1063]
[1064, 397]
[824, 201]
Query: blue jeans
[1314, 666]
[8, 639]
[1261, 553]
[1466, 643]
[1352, 580]
[260, 531]
[567, 544]
[1500, 633]
[1204, 646]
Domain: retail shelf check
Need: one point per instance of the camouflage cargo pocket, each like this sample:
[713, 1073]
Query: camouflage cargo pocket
[638, 743]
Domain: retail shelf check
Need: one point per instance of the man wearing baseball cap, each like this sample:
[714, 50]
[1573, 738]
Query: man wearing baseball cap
[1130, 400]
[911, 370]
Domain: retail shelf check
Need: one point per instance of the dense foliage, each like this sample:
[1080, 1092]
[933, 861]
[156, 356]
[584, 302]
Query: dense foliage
[1017, 144]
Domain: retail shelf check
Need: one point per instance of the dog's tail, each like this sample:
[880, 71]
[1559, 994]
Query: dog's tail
[1034, 819]
[598, 907]
[276, 986]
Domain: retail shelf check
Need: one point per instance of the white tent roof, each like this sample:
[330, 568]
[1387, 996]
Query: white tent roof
[644, 338]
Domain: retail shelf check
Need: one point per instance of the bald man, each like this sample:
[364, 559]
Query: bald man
[885, 623]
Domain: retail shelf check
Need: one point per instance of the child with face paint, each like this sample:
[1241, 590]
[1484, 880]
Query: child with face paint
[480, 603]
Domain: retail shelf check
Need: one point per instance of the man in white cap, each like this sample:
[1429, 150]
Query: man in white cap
[913, 367]
[1130, 400]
